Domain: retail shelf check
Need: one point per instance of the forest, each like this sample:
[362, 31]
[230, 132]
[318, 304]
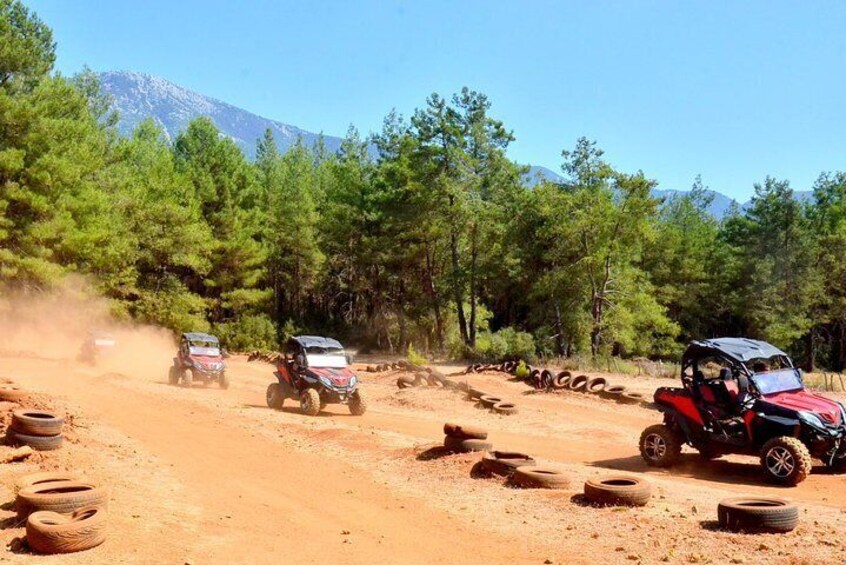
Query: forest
[423, 234]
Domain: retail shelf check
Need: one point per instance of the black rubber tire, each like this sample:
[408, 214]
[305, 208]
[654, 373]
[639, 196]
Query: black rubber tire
[752, 514]
[488, 401]
[562, 380]
[435, 379]
[578, 383]
[461, 431]
[421, 379]
[357, 403]
[310, 402]
[618, 490]
[460, 445]
[505, 408]
[630, 398]
[274, 397]
[187, 378]
[405, 381]
[660, 446]
[546, 377]
[539, 477]
[38, 443]
[596, 385]
[789, 447]
[612, 392]
[11, 393]
[40, 478]
[504, 463]
[37, 422]
[223, 381]
[173, 376]
[65, 497]
[51, 533]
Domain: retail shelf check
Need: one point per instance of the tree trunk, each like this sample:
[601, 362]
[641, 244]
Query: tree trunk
[474, 253]
[559, 331]
[456, 289]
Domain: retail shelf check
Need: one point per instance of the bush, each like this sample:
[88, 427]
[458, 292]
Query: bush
[522, 370]
[248, 333]
[415, 358]
[507, 343]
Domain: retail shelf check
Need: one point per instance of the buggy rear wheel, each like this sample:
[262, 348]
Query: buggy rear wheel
[660, 446]
[310, 402]
[187, 378]
[173, 376]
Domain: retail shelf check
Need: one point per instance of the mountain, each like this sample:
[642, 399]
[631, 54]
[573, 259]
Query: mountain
[138, 96]
[720, 203]
[538, 174]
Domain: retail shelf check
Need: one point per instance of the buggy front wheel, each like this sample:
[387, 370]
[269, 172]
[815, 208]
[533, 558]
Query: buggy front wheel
[357, 403]
[786, 460]
[223, 381]
[310, 402]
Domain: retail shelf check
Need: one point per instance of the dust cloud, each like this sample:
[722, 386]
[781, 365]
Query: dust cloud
[56, 325]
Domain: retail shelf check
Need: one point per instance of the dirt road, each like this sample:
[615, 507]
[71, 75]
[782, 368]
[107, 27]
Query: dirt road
[212, 476]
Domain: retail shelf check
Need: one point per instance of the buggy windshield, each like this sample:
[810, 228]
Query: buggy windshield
[205, 350]
[322, 357]
[773, 382]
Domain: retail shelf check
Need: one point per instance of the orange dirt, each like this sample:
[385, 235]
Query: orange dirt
[213, 476]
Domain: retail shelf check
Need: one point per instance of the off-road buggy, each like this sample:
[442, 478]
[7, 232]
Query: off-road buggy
[97, 344]
[315, 372]
[745, 396]
[200, 358]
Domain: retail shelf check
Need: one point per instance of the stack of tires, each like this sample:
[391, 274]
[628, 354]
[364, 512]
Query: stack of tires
[63, 513]
[465, 439]
[39, 429]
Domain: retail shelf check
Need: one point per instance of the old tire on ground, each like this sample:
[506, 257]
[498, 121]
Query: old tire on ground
[37, 422]
[753, 514]
[488, 401]
[274, 397]
[561, 380]
[504, 463]
[49, 532]
[538, 477]
[64, 497]
[435, 379]
[506, 408]
[546, 377]
[596, 385]
[405, 381]
[460, 445]
[34, 479]
[612, 392]
[660, 446]
[357, 403]
[630, 398]
[310, 402]
[618, 490]
[11, 393]
[578, 383]
[38, 443]
[465, 432]
[421, 379]
[474, 393]
[786, 460]
[173, 375]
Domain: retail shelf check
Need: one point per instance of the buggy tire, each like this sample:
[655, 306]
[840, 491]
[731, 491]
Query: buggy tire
[49, 532]
[223, 381]
[506, 408]
[752, 514]
[37, 422]
[11, 393]
[173, 376]
[38, 443]
[357, 403]
[504, 463]
[187, 378]
[786, 460]
[274, 396]
[578, 383]
[660, 446]
[64, 497]
[488, 401]
[460, 445]
[310, 402]
[539, 477]
[461, 431]
[618, 490]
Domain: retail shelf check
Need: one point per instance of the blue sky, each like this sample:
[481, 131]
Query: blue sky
[731, 90]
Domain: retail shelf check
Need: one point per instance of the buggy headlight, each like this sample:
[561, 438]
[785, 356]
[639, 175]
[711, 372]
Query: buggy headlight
[812, 420]
[353, 381]
[325, 382]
